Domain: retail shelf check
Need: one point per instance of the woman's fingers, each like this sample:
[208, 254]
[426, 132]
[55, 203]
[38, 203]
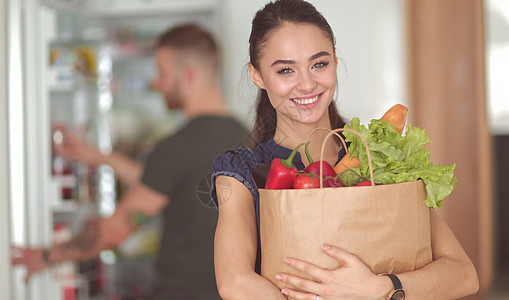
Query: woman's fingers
[298, 295]
[311, 287]
[342, 256]
[326, 281]
[310, 269]
[300, 283]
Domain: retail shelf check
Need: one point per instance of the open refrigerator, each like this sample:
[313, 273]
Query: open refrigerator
[89, 69]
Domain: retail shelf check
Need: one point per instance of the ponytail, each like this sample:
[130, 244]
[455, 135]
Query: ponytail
[265, 121]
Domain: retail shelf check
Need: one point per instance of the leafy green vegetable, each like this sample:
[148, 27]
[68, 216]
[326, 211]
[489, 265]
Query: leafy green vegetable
[350, 178]
[400, 158]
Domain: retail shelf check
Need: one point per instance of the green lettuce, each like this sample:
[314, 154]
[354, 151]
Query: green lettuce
[398, 158]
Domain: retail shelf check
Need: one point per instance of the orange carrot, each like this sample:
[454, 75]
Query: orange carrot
[397, 116]
[346, 162]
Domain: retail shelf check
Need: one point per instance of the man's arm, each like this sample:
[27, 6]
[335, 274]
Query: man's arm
[128, 170]
[139, 203]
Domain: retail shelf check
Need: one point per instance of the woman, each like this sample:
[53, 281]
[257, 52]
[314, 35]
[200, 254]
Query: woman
[293, 62]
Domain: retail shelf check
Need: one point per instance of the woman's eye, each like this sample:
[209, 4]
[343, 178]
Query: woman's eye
[285, 71]
[321, 64]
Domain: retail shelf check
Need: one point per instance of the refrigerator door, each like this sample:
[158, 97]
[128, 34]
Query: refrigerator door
[28, 163]
[5, 280]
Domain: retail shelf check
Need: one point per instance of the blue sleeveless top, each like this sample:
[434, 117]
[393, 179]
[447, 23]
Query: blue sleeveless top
[237, 163]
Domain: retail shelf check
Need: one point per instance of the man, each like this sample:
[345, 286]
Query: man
[187, 62]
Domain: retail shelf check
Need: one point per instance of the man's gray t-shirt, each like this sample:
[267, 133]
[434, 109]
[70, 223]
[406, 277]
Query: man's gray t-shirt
[180, 167]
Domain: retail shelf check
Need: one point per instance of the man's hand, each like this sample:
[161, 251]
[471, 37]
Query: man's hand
[76, 149]
[32, 258]
[126, 169]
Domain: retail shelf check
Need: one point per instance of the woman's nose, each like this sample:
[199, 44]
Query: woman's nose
[306, 82]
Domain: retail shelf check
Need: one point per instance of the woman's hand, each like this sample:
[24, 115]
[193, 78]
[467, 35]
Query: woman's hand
[352, 280]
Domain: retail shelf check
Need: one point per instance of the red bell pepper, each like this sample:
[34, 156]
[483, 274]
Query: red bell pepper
[330, 177]
[282, 172]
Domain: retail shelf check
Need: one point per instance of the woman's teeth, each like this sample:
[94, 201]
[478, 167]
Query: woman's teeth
[304, 101]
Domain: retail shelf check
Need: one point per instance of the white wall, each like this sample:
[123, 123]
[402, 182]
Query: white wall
[369, 36]
[239, 90]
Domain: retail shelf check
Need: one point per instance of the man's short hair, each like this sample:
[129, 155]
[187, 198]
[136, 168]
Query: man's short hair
[190, 38]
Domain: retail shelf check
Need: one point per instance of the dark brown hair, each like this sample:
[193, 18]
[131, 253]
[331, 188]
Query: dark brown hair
[266, 20]
[190, 38]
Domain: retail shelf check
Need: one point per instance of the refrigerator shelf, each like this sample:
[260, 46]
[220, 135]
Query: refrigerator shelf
[67, 206]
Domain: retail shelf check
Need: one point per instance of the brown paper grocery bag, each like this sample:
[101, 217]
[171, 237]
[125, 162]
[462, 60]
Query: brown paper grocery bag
[386, 226]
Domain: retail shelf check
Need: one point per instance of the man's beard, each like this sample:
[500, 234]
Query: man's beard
[173, 102]
[173, 98]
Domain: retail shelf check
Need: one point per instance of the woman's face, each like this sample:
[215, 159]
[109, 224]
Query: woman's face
[298, 70]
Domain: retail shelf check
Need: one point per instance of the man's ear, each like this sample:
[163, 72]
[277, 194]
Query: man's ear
[189, 74]
[255, 76]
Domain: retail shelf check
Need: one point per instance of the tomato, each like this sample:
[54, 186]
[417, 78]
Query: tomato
[306, 181]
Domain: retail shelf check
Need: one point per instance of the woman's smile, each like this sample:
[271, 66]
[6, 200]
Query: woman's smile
[307, 102]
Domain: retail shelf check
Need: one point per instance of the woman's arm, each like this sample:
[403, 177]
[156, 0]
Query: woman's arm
[451, 275]
[236, 245]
